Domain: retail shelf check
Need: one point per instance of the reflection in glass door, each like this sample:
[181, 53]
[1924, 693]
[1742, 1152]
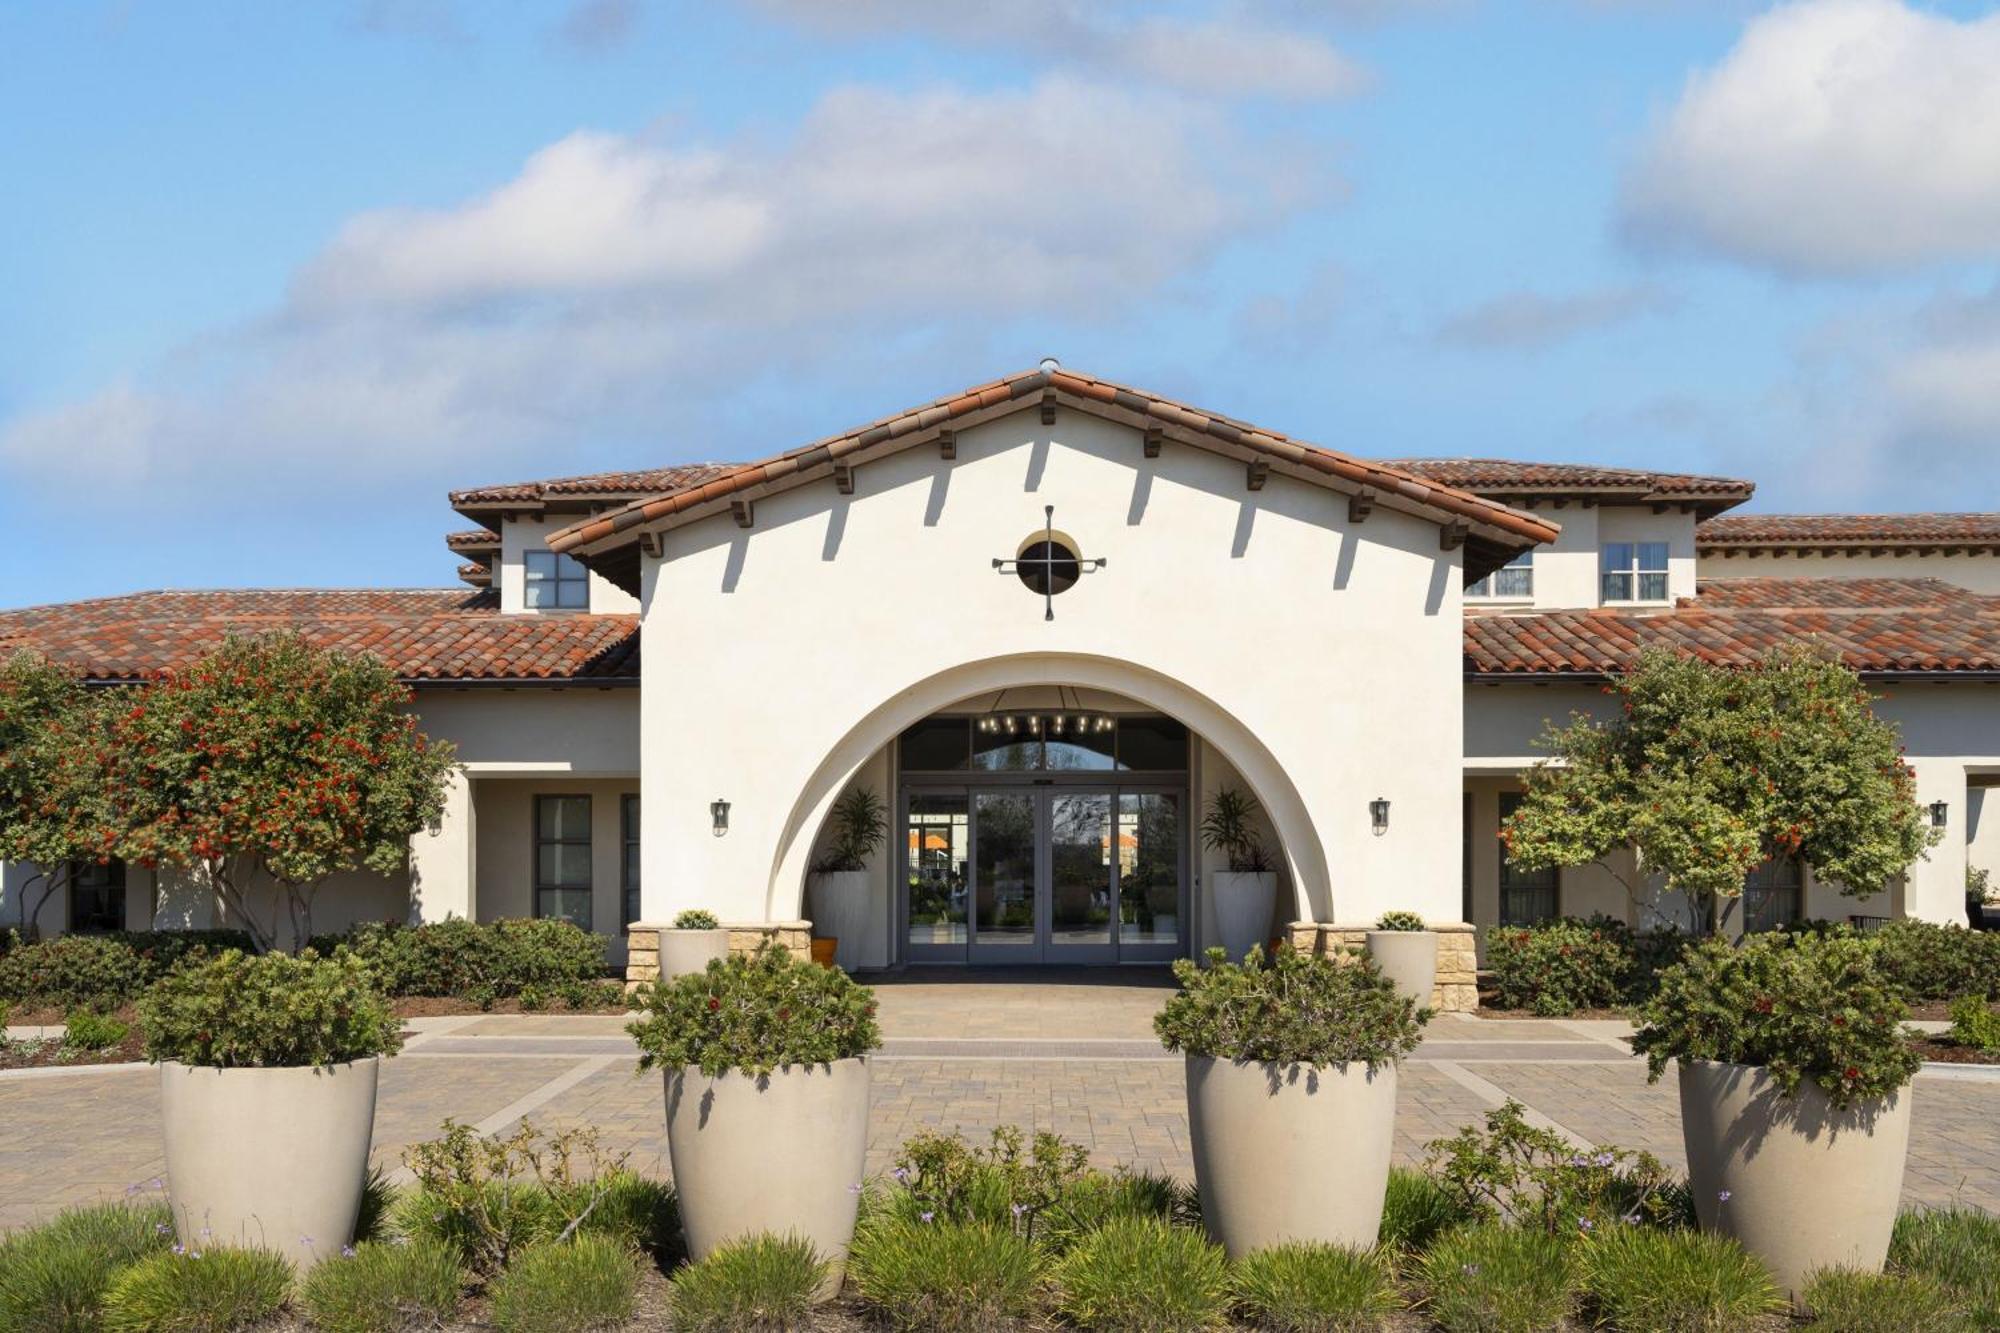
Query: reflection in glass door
[1149, 873]
[1080, 876]
[938, 844]
[1003, 849]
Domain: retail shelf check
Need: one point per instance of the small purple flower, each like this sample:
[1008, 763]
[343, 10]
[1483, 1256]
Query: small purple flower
[180, 1248]
[855, 1188]
[1722, 1197]
[160, 1228]
[925, 1217]
[1586, 1224]
[347, 1251]
[158, 1184]
[1606, 1159]
[1470, 1270]
[902, 1175]
[194, 1254]
[1020, 1208]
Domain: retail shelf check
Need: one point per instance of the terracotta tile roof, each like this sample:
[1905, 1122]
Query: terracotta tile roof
[593, 486]
[477, 575]
[424, 635]
[1794, 531]
[1875, 625]
[1505, 476]
[1392, 485]
[477, 540]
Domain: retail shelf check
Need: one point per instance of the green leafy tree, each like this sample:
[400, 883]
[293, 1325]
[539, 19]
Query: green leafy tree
[1705, 772]
[54, 811]
[272, 756]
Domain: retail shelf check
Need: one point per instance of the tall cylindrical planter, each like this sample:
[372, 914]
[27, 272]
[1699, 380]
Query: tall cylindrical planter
[839, 900]
[685, 951]
[270, 1157]
[1410, 959]
[1243, 903]
[782, 1153]
[1801, 1184]
[1290, 1152]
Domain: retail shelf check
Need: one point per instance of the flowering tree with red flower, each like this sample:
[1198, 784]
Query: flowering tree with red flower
[1705, 772]
[54, 812]
[275, 758]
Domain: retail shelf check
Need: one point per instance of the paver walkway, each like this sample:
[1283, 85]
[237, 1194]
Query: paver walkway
[1070, 1052]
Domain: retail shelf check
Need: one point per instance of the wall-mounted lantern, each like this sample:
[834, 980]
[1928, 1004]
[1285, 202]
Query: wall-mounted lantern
[1378, 814]
[718, 812]
[1940, 812]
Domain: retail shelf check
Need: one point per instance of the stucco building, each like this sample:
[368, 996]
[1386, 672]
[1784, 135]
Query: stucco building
[1046, 619]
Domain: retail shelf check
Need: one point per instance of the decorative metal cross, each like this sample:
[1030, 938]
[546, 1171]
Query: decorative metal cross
[1047, 561]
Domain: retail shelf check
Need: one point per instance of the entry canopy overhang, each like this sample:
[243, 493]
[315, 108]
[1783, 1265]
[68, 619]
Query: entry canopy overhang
[1491, 533]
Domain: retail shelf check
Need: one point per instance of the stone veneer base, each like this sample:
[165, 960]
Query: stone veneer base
[642, 944]
[1458, 959]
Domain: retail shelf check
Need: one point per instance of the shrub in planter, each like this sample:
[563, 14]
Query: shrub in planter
[759, 1284]
[766, 1074]
[1406, 950]
[1499, 1279]
[1514, 1172]
[695, 918]
[1291, 1083]
[1795, 1109]
[696, 940]
[1560, 967]
[586, 1283]
[1959, 1247]
[198, 1291]
[1246, 891]
[268, 1069]
[838, 887]
[1846, 1302]
[918, 1275]
[1315, 1289]
[55, 1277]
[1648, 1280]
[384, 1288]
[1416, 1209]
[1142, 1275]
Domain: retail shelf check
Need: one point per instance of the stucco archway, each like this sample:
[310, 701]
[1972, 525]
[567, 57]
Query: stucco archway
[1302, 847]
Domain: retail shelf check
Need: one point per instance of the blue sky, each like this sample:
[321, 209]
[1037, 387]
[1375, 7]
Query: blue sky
[274, 278]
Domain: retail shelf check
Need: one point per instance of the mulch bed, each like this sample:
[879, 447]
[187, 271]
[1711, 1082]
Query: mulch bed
[44, 1054]
[1529, 1015]
[444, 1006]
[1946, 1051]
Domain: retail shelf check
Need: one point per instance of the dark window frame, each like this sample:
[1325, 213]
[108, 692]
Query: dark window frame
[1524, 882]
[628, 842]
[589, 887]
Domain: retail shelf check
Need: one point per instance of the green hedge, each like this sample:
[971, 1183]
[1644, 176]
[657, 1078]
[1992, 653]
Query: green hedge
[1933, 962]
[496, 960]
[100, 971]
[1561, 966]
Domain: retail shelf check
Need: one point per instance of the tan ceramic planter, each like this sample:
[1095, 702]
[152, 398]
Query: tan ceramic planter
[685, 951]
[271, 1157]
[1410, 959]
[780, 1154]
[1289, 1152]
[1243, 903]
[1808, 1186]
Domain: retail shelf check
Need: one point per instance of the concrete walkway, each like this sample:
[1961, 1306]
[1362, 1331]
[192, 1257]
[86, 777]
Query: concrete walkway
[1069, 1052]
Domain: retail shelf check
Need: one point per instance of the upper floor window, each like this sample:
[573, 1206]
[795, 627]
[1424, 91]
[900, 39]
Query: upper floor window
[97, 896]
[1635, 571]
[1515, 579]
[556, 581]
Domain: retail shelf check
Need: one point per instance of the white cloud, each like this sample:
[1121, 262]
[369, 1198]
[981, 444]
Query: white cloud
[618, 282]
[1525, 319]
[1837, 136]
[1236, 53]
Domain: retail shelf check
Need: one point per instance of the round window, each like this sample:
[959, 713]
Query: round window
[1048, 566]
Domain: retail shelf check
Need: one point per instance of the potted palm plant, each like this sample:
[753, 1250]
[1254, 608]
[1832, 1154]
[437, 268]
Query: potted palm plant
[765, 1059]
[1246, 891]
[268, 1068]
[840, 898]
[694, 940]
[1406, 950]
[1291, 1088]
[1795, 1095]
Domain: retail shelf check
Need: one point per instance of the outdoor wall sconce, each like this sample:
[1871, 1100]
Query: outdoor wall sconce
[718, 811]
[1939, 811]
[1378, 814]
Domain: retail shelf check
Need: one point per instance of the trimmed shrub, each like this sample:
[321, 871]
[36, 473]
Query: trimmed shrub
[72, 972]
[1644, 1280]
[1959, 1247]
[1926, 961]
[764, 1284]
[1416, 1210]
[53, 1279]
[1843, 1301]
[383, 1288]
[478, 961]
[236, 1011]
[590, 1282]
[1400, 920]
[1974, 1025]
[88, 1031]
[1305, 1288]
[1296, 1009]
[198, 1291]
[755, 1014]
[927, 1275]
[696, 918]
[1497, 1279]
[1559, 967]
[1802, 1007]
[1143, 1275]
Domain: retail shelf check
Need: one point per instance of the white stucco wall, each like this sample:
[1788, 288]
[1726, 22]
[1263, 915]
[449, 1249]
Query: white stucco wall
[1323, 659]
[1980, 573]
[520, 534]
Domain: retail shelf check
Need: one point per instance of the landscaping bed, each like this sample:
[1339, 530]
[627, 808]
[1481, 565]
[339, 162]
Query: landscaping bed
[446, 1006]
[53, 1051]
[1943, 1050]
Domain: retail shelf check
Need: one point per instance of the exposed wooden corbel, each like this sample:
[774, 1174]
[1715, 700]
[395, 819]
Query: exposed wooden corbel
[1257, 473]
[1361, 504]
[744, 512]
[1560, 502]
[947, 444]
[1452, 536]
[843, 478]
[649, 542]
[1048, 407]
[1154, 435]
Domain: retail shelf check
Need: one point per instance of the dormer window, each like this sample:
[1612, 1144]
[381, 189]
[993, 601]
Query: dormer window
[1515, 581]
[556, 581]
[1635, 571]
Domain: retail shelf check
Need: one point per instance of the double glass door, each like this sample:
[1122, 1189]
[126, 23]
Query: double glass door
[1044, 873]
